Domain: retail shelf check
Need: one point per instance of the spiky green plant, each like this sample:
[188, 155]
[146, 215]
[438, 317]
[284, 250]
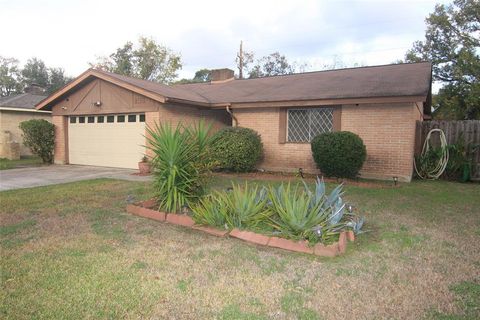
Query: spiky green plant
[212, 210]
[246, 206]
[300, 213]
[179, 156]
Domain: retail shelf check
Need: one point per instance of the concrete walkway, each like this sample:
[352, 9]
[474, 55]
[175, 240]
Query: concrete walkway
[55, 174]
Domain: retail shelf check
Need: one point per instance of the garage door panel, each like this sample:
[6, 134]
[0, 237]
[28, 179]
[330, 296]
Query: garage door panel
[117, 144]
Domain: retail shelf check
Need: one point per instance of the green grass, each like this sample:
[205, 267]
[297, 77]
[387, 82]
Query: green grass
[71, 251]
[26, 161]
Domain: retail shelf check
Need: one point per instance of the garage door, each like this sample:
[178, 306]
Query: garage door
[107, 140]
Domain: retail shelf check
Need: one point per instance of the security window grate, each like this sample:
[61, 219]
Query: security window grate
[305, 124]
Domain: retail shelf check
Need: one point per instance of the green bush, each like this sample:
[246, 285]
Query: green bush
[237, 149]
[339, 154]
[39, 136]
[180, 163]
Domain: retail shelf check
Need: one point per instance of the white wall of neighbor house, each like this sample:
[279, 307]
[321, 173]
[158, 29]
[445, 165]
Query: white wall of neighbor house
[10, 121]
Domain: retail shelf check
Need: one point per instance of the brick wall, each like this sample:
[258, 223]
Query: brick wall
[186, 115]
[189, 115]
[388, 132]
[61, 140]
[10, 121]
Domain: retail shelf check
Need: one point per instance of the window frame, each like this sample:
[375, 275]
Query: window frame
[309, 110]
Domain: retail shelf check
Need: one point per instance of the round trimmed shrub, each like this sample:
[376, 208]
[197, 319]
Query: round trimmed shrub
[237, 149]
[339, 154]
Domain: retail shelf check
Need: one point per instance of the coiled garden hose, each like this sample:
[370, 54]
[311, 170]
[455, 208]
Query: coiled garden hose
[442, 162]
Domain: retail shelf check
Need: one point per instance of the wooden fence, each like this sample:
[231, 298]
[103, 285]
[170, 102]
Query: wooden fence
[467, 130]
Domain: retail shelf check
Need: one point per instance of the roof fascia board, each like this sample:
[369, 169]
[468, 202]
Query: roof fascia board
[24, 110]
[326, 102]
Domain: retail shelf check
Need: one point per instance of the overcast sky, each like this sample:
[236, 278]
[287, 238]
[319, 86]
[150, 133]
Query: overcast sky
[69, 34]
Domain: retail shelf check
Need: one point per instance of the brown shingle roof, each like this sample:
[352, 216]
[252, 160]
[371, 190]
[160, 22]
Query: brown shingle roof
[378, 81]
[22, 101]
[397, 80]
[162, 89]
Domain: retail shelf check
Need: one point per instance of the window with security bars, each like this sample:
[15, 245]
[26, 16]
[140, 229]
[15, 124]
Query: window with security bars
[304, 124]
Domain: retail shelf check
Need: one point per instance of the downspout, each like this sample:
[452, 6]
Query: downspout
[234, 119]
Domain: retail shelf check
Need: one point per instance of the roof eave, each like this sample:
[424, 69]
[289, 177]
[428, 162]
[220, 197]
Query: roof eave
[33, 110]
[333, 101]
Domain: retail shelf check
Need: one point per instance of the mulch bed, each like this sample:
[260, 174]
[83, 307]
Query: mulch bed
[146, 209]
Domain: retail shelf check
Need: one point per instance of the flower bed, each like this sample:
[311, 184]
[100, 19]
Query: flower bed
[145, 209]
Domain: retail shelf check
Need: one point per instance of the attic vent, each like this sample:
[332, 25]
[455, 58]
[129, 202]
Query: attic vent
[139, 99]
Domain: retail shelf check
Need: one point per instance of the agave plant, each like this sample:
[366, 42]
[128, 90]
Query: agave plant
[178, 163]
[211, 210]
[307, 214]
[247, 206]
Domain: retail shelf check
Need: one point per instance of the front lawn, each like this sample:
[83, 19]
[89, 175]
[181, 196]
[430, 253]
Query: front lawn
[26, 161]
[71, 251]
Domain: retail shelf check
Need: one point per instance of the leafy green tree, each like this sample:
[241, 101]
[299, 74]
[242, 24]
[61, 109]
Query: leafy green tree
[452, 44]
[36, 72]
[10, 77]
[148, 61]
[202, 75]
[56, 79]
[273, 64]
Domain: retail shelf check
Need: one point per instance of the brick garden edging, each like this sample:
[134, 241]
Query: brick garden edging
[144, 209]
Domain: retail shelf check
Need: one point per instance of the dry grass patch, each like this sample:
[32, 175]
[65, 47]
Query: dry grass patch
[71, 251]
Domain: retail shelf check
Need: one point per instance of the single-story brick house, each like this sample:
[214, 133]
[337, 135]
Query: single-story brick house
[100, 117]
[15, 109]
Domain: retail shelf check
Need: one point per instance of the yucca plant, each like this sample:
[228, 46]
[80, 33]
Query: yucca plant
[178, 163]
[212, 210]
[247, 206]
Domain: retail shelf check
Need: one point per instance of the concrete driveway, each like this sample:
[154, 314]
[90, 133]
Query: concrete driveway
[55, 174]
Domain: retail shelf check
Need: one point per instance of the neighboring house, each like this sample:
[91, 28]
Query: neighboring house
[100, 117]
[13, 110]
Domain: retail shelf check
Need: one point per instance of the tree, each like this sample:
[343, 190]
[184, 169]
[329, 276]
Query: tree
[56, 79]
[36, 72]
[148, 61]
[452, 44]
[202, 75]
[10, 76]
[271, 65]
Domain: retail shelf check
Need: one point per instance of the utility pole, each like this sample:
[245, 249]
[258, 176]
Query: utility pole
[240, 61]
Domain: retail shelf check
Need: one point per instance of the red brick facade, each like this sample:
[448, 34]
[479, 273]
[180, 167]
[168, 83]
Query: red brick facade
[61, 140]
[388, 132]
